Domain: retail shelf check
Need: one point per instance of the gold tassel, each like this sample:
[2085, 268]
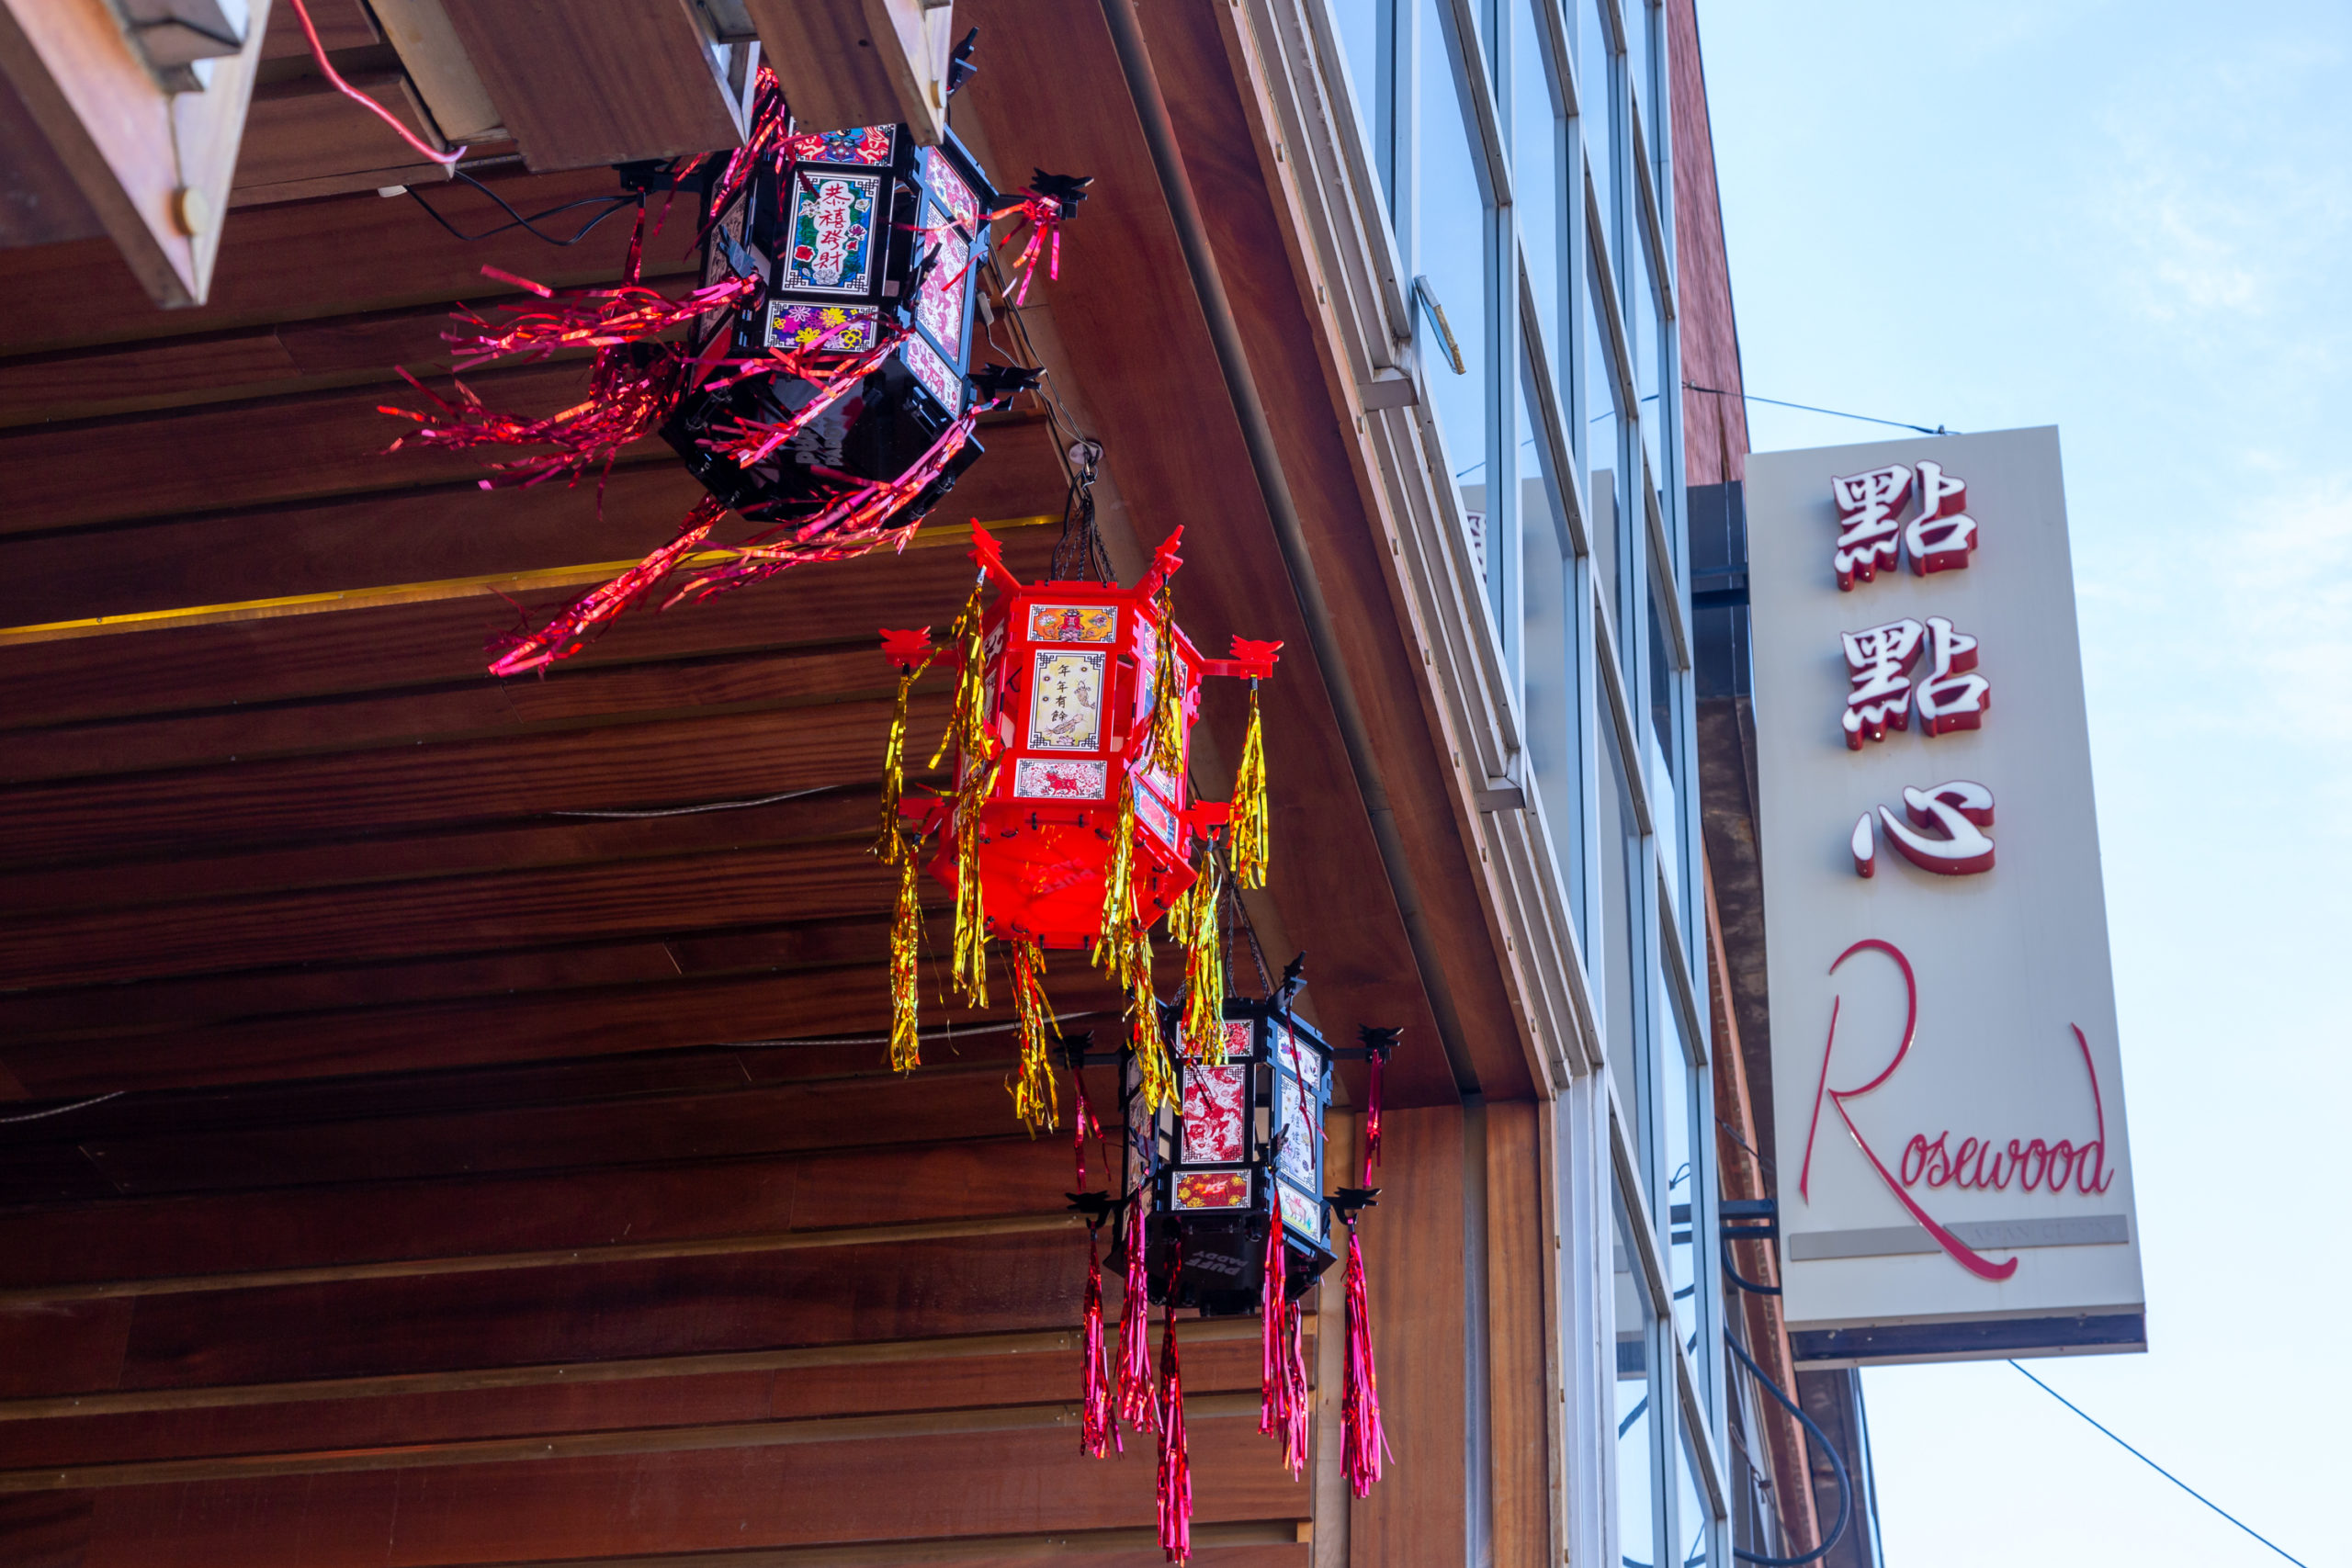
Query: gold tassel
[1252, 844]
[1165, 746]
[1157, 1074]
[1113, 951]
[974, 748]
[1204, 970]
[906, 941]
[894, 770]
[1034, 1099]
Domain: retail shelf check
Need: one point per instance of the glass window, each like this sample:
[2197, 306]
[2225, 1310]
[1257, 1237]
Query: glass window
[1601, 420]
[1679, 1087]
[1661, 733]
[1691, 1514]
[1537, 136]
[1551, 678]
[1621, 959]
[1367, 34]
[1639, 1409]
[1595, 68]
[1450, 238]
[1645, 318]
[1637, 15]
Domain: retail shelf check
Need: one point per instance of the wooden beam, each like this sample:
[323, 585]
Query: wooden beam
[1269, 1543]
[1414, 1253]
[672, 762]
[589, 82]
[937, 1488]
[319, 445]
[833, 1381]
[991, 1422]
[152, 166]
[562, 1258]
[575, 1374]
[1521, 1264]
[350, 256]
[994, 1171]
[303, 138]
[845, 62]
[438, 644]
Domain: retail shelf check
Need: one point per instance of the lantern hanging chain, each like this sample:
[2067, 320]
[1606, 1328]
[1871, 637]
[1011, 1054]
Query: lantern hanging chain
[1081, 553]
[1248, 930]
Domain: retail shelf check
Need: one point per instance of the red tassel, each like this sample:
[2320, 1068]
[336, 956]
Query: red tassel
[563, 635]
[1282, 1363]
[1371, 1118]
[592, 317]
[1363, 1446]
[1137, 1406]
[1098, 1429]
[1082, 1123]
[861, 519]
[1175, 1463]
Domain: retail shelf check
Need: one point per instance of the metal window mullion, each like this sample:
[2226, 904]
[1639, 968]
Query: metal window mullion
[1551, 422]
[1611, 681]
[1476, 93]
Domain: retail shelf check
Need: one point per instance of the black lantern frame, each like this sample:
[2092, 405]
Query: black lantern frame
[864, 234]
[1239, 1137]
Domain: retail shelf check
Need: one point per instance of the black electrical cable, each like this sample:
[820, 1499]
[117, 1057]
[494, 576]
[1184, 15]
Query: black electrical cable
[2160, 1470]
[1836, 1464]
[611, 205]
[1834, 413]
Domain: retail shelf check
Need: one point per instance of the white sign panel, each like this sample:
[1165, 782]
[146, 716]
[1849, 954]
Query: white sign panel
[1947, 1088]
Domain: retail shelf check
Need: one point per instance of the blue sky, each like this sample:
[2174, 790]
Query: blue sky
[2133, 222]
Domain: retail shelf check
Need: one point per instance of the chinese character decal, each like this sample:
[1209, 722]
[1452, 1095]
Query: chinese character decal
[1944, 833]
[1870, 533]
[1882, 694]
[1926, 667]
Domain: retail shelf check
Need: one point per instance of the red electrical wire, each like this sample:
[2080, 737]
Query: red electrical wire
[319, 53]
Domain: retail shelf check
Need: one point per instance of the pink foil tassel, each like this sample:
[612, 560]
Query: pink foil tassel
[1175, 1463]
[1098, 1428]
[1137, 1407]
[1363, 1446]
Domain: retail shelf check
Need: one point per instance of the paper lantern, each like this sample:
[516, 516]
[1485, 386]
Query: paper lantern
[1070, 822]
[824, 388]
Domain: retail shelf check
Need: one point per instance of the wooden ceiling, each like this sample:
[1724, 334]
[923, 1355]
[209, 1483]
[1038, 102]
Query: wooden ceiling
[463, 1197]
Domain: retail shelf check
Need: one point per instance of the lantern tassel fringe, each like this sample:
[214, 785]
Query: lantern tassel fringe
[1252, 841]
[1283, 1412]
[1098, 1428]
[1175, 1462]
[1205, 968]
[1137, 1407]
[576, 622]
[1364, 1448]
[1114, 948]
[1034, 1099]
[974, 749]
[1165, 747]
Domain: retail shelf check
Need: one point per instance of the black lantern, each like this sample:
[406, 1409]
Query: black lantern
[1243, 1136]
[861, 240]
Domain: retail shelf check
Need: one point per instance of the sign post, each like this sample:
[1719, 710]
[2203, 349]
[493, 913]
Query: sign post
[1946, 1084]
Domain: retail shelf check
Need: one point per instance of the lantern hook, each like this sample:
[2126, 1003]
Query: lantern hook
[1349, 1202]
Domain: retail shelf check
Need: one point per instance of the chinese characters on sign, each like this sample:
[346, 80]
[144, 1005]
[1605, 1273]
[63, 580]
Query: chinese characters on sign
[1944, 833]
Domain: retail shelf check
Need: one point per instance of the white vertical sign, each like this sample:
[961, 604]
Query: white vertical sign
[1947, 1087]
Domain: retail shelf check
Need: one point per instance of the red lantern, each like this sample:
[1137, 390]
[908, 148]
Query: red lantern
[1071, 823]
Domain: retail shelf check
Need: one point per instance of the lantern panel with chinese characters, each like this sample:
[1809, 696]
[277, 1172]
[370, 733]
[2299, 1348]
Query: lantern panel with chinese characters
[1244, 1135]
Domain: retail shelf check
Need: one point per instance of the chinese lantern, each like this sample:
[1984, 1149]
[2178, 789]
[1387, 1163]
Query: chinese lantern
[823, 387]
[1224, 1211]
[1070, 822]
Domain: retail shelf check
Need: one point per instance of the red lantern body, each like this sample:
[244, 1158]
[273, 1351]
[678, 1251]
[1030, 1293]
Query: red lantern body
[1069, 680]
